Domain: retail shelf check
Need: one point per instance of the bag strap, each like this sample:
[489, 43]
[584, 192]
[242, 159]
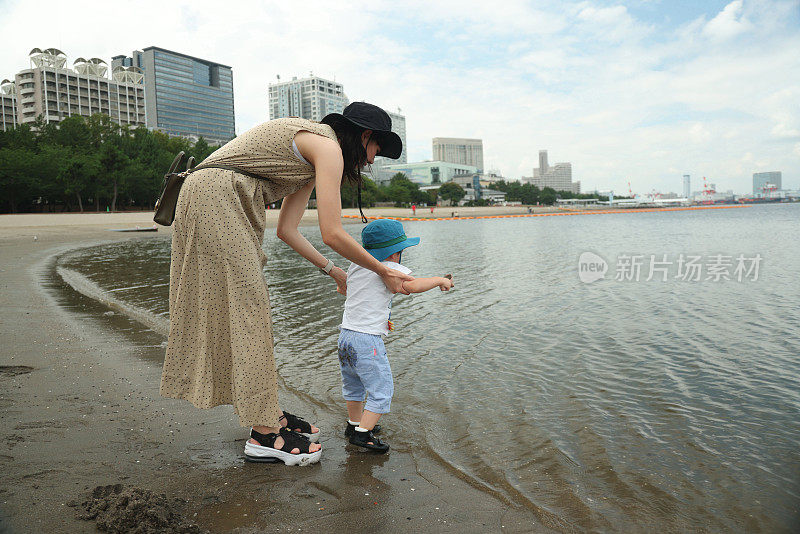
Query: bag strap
[176, 162]
[225, 167]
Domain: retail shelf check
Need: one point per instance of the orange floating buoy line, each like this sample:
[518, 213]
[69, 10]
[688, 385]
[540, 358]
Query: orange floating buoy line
[510, 216]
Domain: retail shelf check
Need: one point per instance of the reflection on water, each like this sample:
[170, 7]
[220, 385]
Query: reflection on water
[605, 406]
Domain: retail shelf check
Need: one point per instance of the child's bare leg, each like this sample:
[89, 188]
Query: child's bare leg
[369, 419]
[354, 409]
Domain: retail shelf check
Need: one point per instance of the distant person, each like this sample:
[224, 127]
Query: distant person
[220, 346]
[367, 311]
[414, 209]
[431, 209]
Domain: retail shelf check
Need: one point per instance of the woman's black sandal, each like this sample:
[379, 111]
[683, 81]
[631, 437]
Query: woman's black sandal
[368, 441]
[265, 451]
[300, 425]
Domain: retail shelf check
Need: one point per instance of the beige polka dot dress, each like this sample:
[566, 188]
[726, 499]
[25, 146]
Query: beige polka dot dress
[220, 347]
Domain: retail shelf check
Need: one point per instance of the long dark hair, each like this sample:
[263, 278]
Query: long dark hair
[353, 152]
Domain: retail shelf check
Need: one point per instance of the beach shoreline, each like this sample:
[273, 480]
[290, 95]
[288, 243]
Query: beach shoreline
[81, 409]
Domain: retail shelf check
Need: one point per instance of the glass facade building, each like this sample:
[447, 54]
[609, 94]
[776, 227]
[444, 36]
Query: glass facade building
[185, 95]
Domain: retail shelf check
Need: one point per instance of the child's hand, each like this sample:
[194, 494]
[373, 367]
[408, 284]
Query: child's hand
[446, 282]
[341, 280]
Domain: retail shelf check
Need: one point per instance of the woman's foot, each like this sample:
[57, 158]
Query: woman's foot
[279, 442]
[300, 425]
[285, 445]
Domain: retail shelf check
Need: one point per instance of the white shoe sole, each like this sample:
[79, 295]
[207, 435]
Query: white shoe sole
[313, 438]
[258, 453]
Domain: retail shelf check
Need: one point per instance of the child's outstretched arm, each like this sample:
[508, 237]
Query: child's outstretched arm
[420, 285]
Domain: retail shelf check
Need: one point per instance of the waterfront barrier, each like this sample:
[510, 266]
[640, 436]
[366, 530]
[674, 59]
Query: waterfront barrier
[518, 215]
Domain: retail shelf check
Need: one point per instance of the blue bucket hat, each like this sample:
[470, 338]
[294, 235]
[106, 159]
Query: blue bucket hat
[384, 237]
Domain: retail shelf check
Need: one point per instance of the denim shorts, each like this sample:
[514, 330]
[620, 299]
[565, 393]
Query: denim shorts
[365, 370]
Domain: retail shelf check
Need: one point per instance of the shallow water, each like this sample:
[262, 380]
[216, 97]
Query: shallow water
[612, 405]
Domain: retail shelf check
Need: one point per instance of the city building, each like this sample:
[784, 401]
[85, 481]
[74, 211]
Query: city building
[492, 196]
[766, 182]
[687, 186]
[398, 127]
[185, 96]
[559, 176]
[53, 91]
[309, 98]
[8, 104]
[458, 150]
[425, 172]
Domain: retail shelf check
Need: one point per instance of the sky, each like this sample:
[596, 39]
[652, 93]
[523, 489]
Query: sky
[641, 91]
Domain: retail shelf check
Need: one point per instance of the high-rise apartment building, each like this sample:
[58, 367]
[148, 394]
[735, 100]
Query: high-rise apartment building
[185, 95]
[309, 98]
[764, 180]
[398, 127]
[55, 92]
[459, 150]
[687, 186]
[8, 104]
[558, 176]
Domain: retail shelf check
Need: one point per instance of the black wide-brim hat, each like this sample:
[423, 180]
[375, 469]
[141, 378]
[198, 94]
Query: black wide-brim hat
[371, 117]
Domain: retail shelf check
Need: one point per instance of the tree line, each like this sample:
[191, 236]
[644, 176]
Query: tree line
[93, 163]
[86, 163]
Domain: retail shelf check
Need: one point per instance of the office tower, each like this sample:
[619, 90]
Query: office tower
[185, 95]
[543, 166]
[761, 181]
[8, 104]
[55, 92]
[459, 150]
[558, 176]
[309, 98]
[687, 191]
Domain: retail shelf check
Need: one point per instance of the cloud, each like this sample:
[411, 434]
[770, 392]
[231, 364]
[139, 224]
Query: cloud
[620, 97]
[730, 22]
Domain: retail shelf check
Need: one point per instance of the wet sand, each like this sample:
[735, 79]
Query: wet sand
[79, 408]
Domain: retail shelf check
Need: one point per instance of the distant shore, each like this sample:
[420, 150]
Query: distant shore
[144, 219]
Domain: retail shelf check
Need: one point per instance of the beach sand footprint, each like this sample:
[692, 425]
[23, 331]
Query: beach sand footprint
[14, 370]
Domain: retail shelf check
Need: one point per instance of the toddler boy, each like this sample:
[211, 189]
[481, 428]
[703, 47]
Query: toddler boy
[362, 354]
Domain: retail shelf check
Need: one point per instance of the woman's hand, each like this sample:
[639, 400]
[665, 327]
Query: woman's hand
[341, 280]
[394, 280]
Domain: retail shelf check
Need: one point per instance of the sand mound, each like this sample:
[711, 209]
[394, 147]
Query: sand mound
[136, 511]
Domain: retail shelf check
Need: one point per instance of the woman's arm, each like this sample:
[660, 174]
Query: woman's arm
[326, 157]
[291, 213]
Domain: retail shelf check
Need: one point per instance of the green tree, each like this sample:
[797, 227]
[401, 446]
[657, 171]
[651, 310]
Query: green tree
[369, 193]
[17, 176]
[401, 190]
[548, 196]
[451, 191]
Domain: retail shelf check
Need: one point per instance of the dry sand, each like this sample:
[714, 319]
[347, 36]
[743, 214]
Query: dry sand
[79, 408]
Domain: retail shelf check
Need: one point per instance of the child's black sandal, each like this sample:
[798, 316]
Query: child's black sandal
[368, 441]
[349, 429]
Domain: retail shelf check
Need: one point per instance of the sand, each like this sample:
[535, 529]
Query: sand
[79, 409]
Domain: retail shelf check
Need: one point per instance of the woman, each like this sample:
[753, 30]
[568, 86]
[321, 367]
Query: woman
[220, 347]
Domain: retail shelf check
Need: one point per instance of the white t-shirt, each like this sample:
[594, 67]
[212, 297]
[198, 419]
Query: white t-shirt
[369, 302]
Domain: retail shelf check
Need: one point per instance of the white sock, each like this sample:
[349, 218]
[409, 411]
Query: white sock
[354, 423]
[359, 429]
